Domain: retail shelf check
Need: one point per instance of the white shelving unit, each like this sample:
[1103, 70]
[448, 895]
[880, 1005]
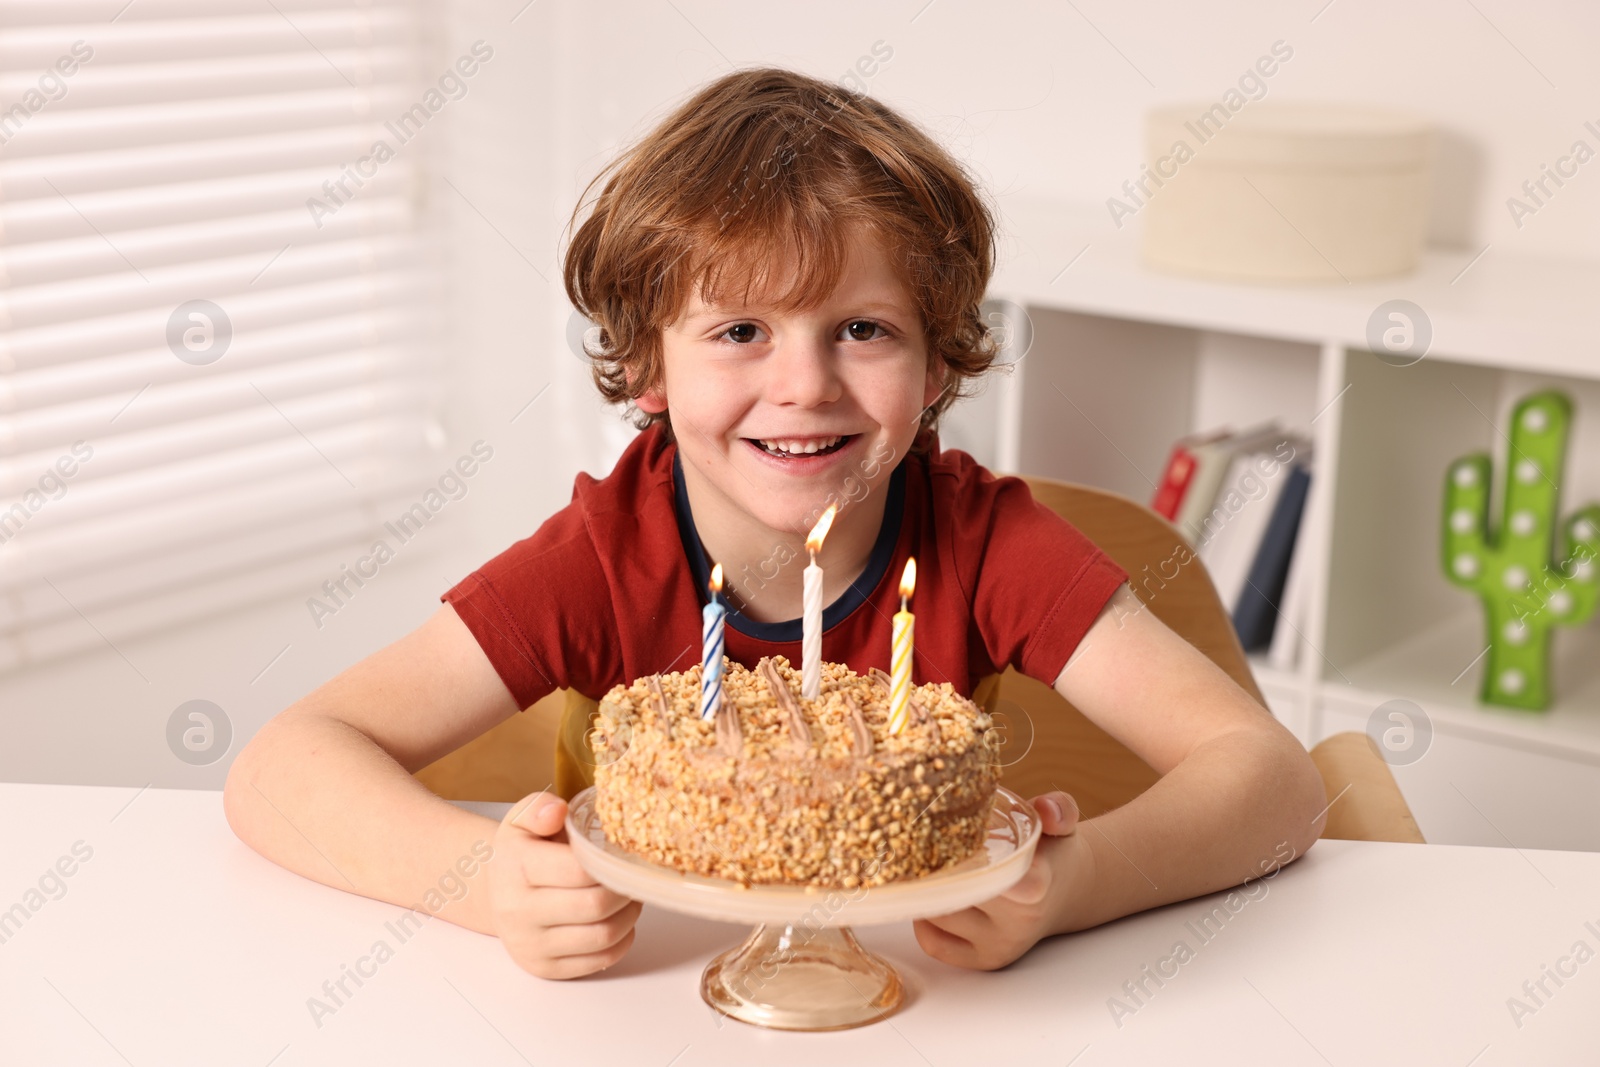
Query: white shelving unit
[1117, 361]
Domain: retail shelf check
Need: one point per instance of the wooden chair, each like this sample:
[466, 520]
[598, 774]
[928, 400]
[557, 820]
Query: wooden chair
[1050, 743]
[1099, 771]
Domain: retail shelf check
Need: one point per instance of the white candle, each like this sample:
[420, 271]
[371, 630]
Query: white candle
[811, 612]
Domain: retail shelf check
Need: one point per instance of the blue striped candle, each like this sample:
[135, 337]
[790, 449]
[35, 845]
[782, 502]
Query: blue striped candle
[713, 617]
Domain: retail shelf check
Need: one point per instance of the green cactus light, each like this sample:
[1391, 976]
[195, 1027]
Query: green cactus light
[1524, 594]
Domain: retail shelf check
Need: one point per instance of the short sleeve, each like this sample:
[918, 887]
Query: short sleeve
[541, 611]
[1040, 583]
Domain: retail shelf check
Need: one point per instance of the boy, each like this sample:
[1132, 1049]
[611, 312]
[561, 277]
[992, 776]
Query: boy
[788, 282]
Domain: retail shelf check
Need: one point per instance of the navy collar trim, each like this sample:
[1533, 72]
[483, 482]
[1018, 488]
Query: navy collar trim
[790, 630]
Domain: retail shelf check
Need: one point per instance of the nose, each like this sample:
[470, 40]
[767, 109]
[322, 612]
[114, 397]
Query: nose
[803, 371]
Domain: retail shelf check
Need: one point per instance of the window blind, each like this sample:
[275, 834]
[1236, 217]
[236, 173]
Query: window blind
[216, 340]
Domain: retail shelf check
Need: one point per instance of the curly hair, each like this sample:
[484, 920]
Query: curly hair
[758, 165]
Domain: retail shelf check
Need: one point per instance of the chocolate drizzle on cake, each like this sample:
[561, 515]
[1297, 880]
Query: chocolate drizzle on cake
[662, 707]
[799, 732]
[861, 737]
[730, 738]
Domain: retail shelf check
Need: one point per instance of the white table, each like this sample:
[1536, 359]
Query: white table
[174, 944]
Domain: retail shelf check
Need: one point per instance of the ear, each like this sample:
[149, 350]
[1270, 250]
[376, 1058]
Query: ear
[651, 401]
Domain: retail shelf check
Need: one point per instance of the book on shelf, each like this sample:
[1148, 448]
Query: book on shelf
[1232, 531]
[1179, 472]
[1295, 611]
[1255, 613]
[1240, 499]
[1212, 457]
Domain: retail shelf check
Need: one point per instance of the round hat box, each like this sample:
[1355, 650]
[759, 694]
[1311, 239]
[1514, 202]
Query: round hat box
[1285, 192]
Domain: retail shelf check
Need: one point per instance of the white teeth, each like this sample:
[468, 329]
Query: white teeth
[773, 444]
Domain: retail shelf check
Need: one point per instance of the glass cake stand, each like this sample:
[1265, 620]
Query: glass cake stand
[802, 968]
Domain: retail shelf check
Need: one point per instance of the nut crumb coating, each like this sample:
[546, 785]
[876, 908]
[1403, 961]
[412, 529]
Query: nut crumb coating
[799, 805]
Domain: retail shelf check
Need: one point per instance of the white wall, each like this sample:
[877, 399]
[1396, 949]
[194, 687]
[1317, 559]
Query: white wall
[1043, 101]
[1039, 100]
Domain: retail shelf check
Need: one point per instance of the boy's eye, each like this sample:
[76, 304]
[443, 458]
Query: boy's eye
[863, 324]
[859, 330]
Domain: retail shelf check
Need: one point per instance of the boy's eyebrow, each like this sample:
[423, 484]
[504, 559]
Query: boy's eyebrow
[876, 306]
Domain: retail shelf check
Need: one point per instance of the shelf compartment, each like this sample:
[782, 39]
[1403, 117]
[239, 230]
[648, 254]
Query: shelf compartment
[1434, 669]
[1400, 429]
[1102, 399]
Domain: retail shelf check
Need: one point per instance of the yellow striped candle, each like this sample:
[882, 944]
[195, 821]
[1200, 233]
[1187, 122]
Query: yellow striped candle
[900, 664]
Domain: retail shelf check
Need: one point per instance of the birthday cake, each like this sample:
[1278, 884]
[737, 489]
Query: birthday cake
[777, 789]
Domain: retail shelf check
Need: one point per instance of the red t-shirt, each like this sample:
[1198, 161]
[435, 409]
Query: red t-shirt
[610, 588]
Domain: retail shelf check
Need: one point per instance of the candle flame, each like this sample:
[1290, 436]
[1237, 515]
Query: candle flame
[820, 530]
[716, 579]
[908, 580]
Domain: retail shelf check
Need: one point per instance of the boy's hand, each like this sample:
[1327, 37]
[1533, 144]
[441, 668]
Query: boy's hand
[992, 934]
[554, 920]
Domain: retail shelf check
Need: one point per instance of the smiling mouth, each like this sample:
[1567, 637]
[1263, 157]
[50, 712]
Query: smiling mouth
[786, 448]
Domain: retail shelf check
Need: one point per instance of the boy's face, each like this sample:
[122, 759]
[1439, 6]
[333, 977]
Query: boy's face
[774, 413]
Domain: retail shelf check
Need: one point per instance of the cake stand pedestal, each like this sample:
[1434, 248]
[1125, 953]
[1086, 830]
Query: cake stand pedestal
[802, 968]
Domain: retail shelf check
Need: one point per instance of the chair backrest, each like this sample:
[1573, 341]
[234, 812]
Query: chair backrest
[1056, 746]
[1162, 569]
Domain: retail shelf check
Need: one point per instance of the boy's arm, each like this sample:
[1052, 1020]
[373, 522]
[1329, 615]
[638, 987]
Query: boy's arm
[325, 788]
[1238, 797]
